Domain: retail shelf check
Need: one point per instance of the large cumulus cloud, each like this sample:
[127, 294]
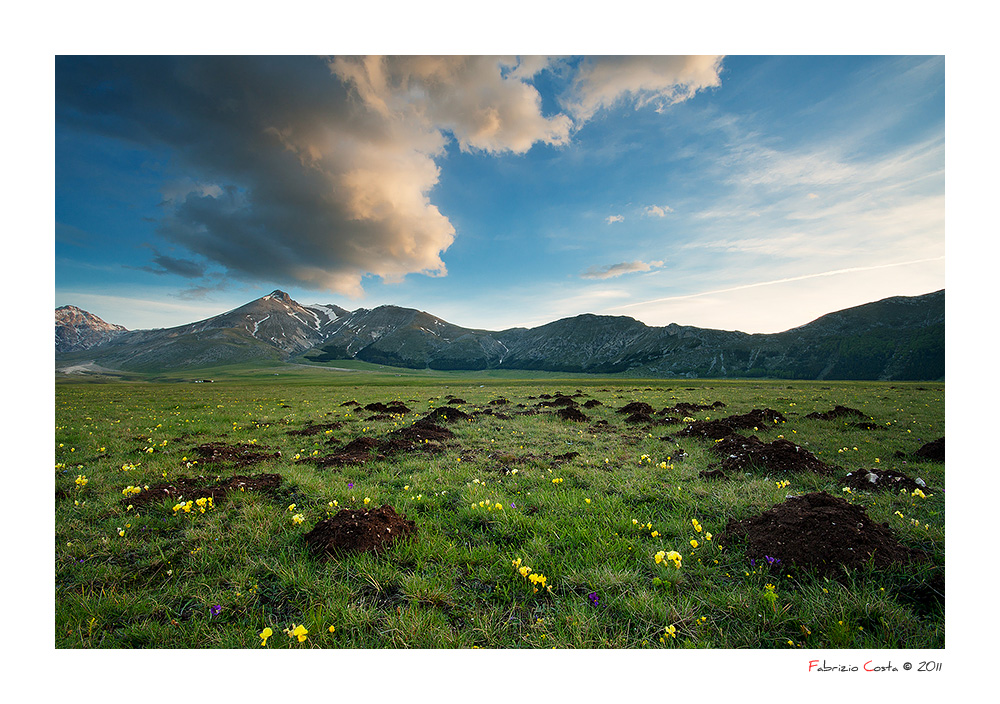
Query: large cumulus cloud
[318, 171]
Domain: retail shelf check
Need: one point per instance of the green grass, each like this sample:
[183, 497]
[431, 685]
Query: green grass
[455, 586]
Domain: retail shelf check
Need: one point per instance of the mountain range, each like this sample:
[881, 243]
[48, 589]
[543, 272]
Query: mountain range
[898, 338]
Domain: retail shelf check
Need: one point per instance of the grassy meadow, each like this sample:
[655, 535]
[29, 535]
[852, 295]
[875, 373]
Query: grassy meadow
[495, 500]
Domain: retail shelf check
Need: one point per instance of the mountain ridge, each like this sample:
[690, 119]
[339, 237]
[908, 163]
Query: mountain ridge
[896, 338]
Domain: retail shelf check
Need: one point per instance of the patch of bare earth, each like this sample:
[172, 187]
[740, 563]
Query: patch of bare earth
[243, 455]
[757, 419]
[818, 532]
[883, 480]
[422, 436]
[741, 454]
[356, 531]
[201, 487]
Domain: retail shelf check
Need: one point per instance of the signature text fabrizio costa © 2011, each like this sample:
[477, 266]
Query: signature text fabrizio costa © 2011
[869, 666]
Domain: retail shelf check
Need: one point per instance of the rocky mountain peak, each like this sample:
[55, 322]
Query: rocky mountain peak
[278, 295]
[76, 329]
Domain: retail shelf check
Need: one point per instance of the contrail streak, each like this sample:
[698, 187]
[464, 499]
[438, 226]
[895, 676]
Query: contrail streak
[835, 272]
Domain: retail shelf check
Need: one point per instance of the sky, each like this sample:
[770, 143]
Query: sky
[751, 193]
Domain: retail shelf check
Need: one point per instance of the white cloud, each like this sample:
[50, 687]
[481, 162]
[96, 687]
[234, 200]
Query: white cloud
[612, 270]
[468, 96]
[658, 211]
[660, 80]
[611, 219]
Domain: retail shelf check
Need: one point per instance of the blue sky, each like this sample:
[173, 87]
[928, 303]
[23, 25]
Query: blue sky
[750, 193]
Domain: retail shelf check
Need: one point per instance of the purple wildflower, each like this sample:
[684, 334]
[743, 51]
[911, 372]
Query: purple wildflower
[215, 610]
[593, 598]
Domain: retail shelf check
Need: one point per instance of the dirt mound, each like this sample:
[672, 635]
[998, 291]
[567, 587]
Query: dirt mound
[422, 436]
[592, 403]
[837, 412]
[636, 407]
[819, 532]
[686, 409]
[934, 450]
[357, 451]
[356, 531]
[491, 412]
[316, 428]
[184, 487]
[457, 401]
[715, 429]
[741, 454]
[572, 413]
[499, 402]
[883, 480]
[394, 408]
[239, 455]
[446, 414]
[560, 401]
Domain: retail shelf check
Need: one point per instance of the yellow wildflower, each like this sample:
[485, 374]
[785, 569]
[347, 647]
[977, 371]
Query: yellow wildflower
[264, 635]
[299, 632]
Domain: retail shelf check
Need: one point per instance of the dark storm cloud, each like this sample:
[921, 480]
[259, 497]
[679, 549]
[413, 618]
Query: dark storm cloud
[277, 155]
[187, 268]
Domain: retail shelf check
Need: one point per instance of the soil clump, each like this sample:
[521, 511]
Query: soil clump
[636, 407]
[716, 429]
[357, 531]
[422, 436]
[819, 532]
[572, 413]
[686, 409]
[316, 428]
[446, 414]
[237, 455]
[394, 408]
[884, 480]
[559, 402]
[934, 450]
[837, 412]
[188, 488]
[357, 451]
[742, 453]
